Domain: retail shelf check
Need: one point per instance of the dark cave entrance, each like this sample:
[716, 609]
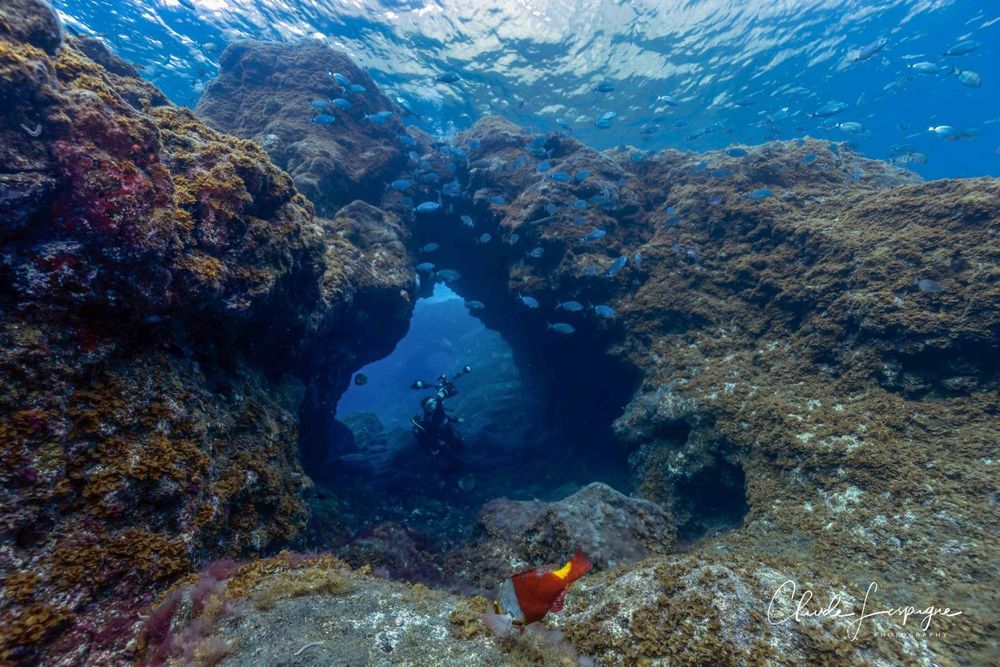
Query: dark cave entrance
[711, 501]
[536, 424]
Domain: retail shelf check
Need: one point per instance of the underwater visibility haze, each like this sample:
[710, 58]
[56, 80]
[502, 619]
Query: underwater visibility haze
[499, 332]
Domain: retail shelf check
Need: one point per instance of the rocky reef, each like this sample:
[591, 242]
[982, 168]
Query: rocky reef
[282, 96]
[161, 287]
[791, 349]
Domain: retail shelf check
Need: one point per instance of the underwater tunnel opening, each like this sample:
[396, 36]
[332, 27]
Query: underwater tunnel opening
[533, 423]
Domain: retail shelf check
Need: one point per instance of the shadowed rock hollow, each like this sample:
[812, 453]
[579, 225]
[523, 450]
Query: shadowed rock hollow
[802, 384]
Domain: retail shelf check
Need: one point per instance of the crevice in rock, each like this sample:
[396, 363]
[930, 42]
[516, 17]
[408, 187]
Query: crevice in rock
[710, 501]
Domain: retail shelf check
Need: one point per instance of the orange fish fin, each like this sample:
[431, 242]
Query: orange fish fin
[559, 602]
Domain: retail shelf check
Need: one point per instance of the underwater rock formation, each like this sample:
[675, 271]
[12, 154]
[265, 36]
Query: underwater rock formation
[611, 528]
[798, 315]
[282, 96]
[794, 347]
[158, 283]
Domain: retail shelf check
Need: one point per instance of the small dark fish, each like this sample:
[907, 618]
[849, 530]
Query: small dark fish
[594, 235]
[356, 88]
[616, 266]
[319, 104]
[606, 312]
[425, 266]
[475, 305]
[341, 79]
[736, 152]
[342, 103]
[715, 199]
[869, 51]
[468, 221]
[449, 275]
[428, 207]
[570, 306]
[928, 285]
[560, 177]
[560, 328]
[324, 119]
[430, 247]
[360, 380]
[484, 238]
[551, 208]
[448, 77]
[536, 252]
[581, 176]
[530, 302]
[497, 200]
[604, 87]
[760, 193]
[544, 166]
[379, 117]
[829, 109]
[808, 158]
[962, 48]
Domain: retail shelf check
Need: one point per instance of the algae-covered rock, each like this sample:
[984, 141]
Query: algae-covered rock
[611, 528]
[160, 285]
[281, 96]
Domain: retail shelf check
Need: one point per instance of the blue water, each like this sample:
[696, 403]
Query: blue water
[735, 71]
[434, 344]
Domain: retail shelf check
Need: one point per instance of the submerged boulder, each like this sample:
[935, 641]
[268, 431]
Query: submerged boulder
[611, 528]
[281, 96]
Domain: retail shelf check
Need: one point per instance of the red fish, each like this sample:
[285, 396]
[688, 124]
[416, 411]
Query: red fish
[528, 596]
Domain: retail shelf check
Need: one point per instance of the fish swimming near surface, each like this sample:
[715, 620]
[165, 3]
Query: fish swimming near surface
[828, 109]
[962, 48]
[360, 379]
[528, 596]
[968, 78]
[869, 51]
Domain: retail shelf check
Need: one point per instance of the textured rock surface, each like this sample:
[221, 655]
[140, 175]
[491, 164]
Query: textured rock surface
[157, 282]
[610, 527]
[264, 92]
[158, 277]
[787, 336]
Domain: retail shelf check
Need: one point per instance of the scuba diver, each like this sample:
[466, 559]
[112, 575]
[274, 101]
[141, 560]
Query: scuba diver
[434, 428]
